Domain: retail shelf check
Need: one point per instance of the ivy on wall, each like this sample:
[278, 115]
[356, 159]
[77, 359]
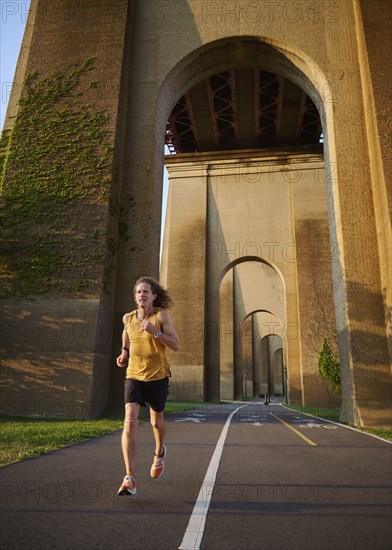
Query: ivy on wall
[55, 168]
[4, 141]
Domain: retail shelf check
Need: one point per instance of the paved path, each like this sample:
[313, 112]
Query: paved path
[238, 476]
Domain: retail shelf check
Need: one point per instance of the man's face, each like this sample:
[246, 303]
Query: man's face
[144, 296]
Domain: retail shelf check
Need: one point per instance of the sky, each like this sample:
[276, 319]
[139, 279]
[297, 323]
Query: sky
[12, 24]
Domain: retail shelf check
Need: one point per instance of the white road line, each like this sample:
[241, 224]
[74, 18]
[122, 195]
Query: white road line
[195, 530]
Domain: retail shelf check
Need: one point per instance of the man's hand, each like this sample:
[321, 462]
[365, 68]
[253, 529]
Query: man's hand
[122, 360]
[148, 327]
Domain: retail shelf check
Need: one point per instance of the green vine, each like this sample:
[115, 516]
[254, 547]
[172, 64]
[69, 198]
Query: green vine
[55, 169]
[4, 143]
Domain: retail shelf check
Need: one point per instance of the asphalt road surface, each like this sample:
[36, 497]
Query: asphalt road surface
[241, 476]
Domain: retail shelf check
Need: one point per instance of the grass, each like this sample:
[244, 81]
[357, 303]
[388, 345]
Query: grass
[22, 438]
[180, 406]
[328, 414]
[333, 414]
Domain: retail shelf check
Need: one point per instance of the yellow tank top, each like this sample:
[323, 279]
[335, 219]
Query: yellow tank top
[147, 355]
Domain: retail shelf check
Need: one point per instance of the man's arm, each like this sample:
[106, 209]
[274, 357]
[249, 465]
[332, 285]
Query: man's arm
[122, 360]
[169, 335]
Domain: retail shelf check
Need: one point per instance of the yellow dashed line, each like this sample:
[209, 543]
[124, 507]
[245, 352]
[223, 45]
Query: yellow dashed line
[295, 431]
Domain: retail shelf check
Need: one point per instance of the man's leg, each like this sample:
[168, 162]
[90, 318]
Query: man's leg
[129, 436]
[159, 430]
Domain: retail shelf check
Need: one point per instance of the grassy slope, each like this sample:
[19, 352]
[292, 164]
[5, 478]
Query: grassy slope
[22, 438]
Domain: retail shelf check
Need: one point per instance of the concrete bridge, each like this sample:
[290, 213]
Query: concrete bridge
[278, 224]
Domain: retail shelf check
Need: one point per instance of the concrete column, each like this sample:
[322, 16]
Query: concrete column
[247, 356]
[276, 364]
[226, 337]
[271, 380]
[69, 338]
[238, 316]
[373, 33]
[358, 273]
[255, 357]
[313, 254]
[183, 273]
[213, 269]
[264, 358]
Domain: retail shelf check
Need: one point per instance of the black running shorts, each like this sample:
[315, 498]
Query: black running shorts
[153, 392]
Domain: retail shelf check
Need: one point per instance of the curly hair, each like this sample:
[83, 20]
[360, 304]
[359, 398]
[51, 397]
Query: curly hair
[163, 299]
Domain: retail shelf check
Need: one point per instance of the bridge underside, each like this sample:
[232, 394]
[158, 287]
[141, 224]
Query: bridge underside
[242, 109]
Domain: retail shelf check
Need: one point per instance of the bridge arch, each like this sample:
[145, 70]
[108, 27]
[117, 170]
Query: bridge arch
[213, 56]
[227, 54]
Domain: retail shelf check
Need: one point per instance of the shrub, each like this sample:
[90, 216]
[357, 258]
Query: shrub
[329, 366]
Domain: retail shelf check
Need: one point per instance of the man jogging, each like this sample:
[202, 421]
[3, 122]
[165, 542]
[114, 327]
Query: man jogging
[148, 330]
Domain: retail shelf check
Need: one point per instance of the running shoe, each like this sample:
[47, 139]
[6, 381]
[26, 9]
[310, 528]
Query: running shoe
[128, 486]
[159, 464]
